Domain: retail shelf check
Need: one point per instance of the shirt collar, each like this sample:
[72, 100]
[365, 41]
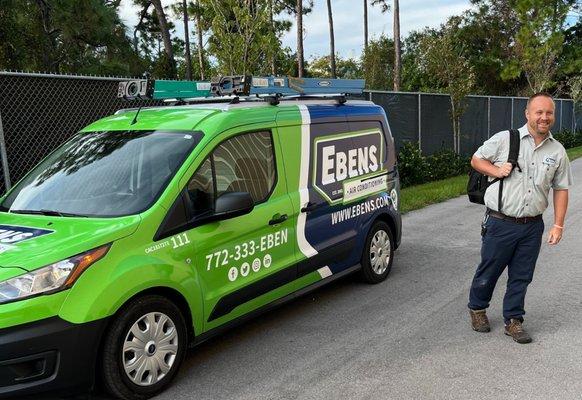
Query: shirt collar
[523, 132]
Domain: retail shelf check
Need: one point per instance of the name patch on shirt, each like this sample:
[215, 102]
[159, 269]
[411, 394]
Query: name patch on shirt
[548, 160]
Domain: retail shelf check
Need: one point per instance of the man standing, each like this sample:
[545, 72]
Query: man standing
[512, 236]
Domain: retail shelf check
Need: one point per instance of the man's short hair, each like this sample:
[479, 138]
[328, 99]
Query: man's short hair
[539, 94]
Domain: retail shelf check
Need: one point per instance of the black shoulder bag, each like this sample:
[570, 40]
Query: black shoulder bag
[478, 182]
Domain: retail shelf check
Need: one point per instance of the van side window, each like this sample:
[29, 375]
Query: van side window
[201, 189]
[246, 163]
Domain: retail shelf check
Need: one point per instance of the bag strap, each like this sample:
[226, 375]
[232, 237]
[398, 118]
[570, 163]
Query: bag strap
[514, 142]
[513, 148]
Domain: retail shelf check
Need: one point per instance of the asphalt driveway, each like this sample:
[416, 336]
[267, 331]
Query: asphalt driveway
[409, 337]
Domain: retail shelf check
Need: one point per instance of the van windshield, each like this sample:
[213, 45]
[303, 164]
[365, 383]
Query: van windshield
[103, 174]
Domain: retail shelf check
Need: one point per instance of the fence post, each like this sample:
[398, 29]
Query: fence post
[459, 135]
[561, 107]
[419, 123]
[574, 121]
[512, 112]
[4, 156]
[488, 117]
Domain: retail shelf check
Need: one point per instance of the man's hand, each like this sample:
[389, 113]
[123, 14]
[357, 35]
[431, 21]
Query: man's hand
[560, 207]
[488, 168]
[503, 170]
[555, 235]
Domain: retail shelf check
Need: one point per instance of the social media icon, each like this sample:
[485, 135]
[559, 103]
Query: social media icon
[232, 274]
[267, 260]
[256, 265]
[245, 269]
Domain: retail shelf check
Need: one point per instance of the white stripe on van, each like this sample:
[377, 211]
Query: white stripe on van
[304, 245]
[324, 272]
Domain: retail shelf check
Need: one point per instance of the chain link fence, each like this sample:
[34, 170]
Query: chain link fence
[425, 118]
[39, 112]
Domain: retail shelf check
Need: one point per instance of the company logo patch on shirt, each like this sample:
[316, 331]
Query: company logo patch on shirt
[548, 160]
[14, 234]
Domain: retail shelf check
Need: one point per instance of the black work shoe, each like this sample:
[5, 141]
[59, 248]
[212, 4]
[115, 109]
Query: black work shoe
[479, 320]
[516, 331]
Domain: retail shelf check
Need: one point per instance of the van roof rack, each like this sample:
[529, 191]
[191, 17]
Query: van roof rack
[269, 88]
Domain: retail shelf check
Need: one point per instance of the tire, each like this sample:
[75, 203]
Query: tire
[122, 375]
[378, 253]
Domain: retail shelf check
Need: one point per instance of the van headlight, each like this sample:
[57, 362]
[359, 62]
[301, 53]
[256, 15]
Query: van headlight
[52, 278]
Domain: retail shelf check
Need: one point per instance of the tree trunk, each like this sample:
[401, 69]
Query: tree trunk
[331, 40]
[397, 52]
[300, 61]
[50, 57]
[199, 34]
[454, 120]
[365, 25]
[165, 32]
[272, 25]
[142, 15]
[187, 41]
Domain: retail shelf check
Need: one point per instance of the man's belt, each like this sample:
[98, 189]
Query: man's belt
[520, 220]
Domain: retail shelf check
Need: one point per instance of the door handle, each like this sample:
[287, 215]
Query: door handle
[278, 218]
[309, 207]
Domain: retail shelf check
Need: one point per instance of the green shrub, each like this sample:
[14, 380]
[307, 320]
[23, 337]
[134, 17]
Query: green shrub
[412, 165]
[569, 139]
[445, 164]
[415, 168]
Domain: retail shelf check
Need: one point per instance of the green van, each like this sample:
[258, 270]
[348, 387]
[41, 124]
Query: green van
[154, 229]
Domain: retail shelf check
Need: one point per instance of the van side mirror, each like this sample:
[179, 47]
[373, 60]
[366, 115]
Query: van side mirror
[229, 205]
[233, 204]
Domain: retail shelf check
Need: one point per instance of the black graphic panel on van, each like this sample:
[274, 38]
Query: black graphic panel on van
[13, 234]
[343, 158]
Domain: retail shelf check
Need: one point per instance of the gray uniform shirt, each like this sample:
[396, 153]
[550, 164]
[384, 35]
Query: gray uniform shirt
[525, 193]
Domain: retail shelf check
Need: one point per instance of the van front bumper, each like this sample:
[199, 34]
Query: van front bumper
[48, 355]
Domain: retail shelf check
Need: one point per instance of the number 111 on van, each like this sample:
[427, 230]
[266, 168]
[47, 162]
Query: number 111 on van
[180, 240]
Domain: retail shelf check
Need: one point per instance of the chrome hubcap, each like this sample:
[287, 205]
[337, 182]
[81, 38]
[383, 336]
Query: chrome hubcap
[150, 349]
[380, 252]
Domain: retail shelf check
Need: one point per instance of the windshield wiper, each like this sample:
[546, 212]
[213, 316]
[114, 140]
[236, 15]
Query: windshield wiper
[47, 212]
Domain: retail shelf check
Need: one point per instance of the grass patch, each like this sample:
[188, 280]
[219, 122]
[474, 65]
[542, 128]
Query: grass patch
[419, 196]
[574, 153]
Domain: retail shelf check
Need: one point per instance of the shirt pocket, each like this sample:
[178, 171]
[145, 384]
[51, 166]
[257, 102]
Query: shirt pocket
[544, 175]
[521, 163]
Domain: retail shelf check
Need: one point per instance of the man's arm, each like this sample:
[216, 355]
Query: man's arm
[560, 207]
[488, 168]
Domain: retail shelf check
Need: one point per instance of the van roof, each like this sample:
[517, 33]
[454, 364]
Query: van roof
[226, 105]
[191, 116]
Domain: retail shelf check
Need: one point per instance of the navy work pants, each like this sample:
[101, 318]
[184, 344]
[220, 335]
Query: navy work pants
[510, 244]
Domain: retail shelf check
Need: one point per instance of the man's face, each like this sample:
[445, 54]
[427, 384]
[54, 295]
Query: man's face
[540, 115]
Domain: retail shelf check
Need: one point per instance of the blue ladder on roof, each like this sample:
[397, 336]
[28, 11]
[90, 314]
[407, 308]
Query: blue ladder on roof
[238, 85]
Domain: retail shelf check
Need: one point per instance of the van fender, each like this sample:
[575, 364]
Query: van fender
[98, 294]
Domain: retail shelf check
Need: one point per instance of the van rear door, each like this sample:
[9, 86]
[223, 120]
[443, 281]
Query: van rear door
[326, 228]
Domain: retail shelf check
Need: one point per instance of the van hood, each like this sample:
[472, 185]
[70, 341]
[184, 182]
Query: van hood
[29, 242]
[8, 272]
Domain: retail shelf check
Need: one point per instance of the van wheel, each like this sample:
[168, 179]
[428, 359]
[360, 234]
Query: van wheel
[143, 348]
[378, 253]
